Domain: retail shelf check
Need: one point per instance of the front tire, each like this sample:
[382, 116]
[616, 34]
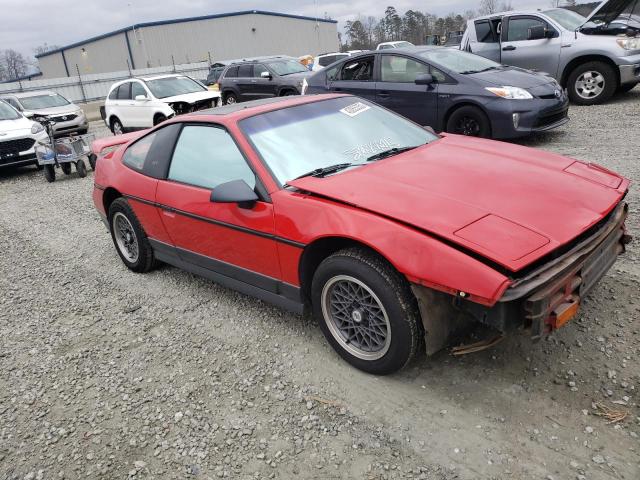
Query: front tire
[159, 118]
[129, 238]
[591, 83]
[66, 168]
[366, 311]
[92, 161]
[469, 120]
[116, 126]
[230, 98]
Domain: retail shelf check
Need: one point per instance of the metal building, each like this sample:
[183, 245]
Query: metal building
[187, 40]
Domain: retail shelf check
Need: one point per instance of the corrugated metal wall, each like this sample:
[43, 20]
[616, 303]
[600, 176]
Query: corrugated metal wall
[221, 38]
[87, 88]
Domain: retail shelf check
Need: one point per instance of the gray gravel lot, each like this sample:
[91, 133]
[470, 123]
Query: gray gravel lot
[110, 374]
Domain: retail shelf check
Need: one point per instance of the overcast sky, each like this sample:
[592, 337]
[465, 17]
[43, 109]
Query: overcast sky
[29, 23]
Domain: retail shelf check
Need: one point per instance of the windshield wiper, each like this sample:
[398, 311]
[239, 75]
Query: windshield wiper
[389, 153]
[323, 171]
[479, 71]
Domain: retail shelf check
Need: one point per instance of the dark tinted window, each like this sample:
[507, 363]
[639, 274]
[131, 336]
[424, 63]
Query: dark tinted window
[519, 27]
[151, 155]
[245, 71]
[124, 91]
[332, 73]
[231, 73]
[114, 94]
[207, 156]
[484, 32]
[360, 70]
[437, 75]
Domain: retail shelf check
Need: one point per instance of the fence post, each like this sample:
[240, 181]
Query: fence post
[84, 96]
[209, 56]
[20, 83]
[129, 68]
[173, 62]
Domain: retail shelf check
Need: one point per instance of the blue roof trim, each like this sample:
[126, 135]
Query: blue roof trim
[181, 20]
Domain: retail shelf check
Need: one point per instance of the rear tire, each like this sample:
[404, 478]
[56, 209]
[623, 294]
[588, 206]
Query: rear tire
[50, 173]
[129, 238]
[591, 83]
[366, 311]
[469, 120]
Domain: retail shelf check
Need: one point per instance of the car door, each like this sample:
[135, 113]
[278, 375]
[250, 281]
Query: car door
[487, 39]
[224, 238]
[356, 77]
[141, 112]
[125, 106]
[542, 54]
[263, 87]
[246, 82]
[397, 91]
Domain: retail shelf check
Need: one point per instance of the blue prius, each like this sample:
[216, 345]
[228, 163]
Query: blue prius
[449, 90]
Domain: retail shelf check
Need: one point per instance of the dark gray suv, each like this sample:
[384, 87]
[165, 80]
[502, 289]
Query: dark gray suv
[256, 79]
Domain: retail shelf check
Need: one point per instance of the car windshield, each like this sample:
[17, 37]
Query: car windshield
[39, 102]
[565, 18]
[172, 86]
[404, 44]
[458, 61]
[7, 112]
[287, 67]
[345, 130]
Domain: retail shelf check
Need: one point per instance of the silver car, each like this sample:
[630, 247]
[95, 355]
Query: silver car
[68, 117]
[592, 57]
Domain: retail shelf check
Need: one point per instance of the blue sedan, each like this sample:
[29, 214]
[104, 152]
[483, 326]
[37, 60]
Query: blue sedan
[449, 90]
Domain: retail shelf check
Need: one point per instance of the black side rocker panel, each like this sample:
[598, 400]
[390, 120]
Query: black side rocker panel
[265, 288]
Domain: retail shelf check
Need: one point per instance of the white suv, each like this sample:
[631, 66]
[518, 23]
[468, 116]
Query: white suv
[146, 101]
[18, 137]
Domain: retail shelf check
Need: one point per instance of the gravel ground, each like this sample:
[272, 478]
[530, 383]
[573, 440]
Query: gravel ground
[110, 374]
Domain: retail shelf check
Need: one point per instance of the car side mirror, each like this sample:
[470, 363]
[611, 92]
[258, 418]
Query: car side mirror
[424, 79]
[537, 32]
[141, 98]
[429, 129]
[28, 114]
[266, 75]
[235, 191]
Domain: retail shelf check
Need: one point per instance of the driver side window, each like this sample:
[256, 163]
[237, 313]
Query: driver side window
[518, 29]
[206, 157]
[359, 70]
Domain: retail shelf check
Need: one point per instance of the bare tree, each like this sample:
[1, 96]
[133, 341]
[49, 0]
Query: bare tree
[487, 7]
[15, 64]
[44, 48]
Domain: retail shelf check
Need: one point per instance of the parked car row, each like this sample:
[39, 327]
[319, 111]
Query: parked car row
[592, 57]
[18, 137]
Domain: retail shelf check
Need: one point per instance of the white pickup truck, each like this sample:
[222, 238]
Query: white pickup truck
[592, 57]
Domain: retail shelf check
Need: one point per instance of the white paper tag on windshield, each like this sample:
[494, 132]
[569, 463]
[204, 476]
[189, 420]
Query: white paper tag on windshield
[355, 109]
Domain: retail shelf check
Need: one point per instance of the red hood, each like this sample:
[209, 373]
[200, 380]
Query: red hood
[510, 204]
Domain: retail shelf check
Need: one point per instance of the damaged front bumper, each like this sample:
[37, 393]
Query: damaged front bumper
[541, 300]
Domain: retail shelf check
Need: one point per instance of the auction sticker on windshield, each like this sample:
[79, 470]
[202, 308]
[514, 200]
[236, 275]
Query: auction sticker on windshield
[355, 109]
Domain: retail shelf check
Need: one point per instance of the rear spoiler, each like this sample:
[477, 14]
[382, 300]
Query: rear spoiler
[99, 144]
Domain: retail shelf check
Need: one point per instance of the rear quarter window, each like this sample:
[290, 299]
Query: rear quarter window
[232, 72]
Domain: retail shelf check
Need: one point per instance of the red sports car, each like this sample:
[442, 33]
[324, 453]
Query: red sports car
[392, 235]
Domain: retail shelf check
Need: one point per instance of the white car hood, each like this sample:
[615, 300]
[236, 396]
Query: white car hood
[192, 97]
[21, 125]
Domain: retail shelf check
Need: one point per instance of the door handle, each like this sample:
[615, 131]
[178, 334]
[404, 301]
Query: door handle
[508, 48]
[168, 212]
